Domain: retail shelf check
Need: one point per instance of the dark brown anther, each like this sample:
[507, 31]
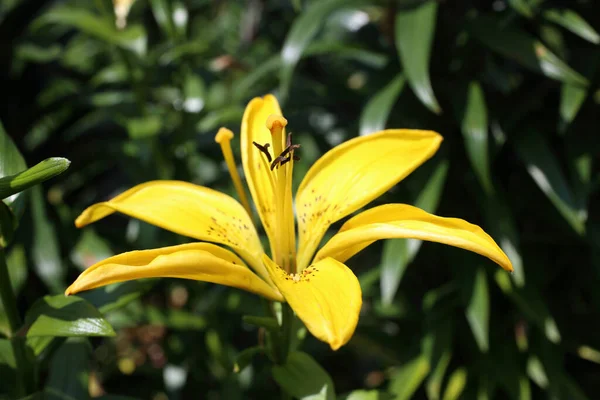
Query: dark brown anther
[286, 155]
[265, 150]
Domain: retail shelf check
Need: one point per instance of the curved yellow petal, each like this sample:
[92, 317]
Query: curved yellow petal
[351, 175]
[198, 261]
[189, 210]
[256, 167]
[326, 296]
[391, 221]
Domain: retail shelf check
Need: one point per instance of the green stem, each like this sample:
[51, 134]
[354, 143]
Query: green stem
[287, 319]
[9, 302]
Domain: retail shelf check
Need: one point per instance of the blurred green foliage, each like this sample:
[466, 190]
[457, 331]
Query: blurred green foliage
[512, 85]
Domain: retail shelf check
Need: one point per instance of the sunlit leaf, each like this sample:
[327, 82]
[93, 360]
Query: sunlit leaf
[545, 171]
[572, 21]
[65, 316]
[302, 31]
[408, 377]
[376, 112]
[456, 384]
[414, 38]
[474, 126]
[303, 378]
[11, 163]
[517, 45]
[571, 100]
[478, 310]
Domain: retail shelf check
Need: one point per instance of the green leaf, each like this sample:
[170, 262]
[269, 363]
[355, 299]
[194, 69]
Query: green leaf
[65, 316]
[11, 163]
[433, 386]
[269, 323]
[161, 9]
[69, 369]
[406, 380]
[112, 297]
[528, 8]
[456, 384]
[545, 171]
[175, 319]
[303, 30]
[572, 21]
[414, 38]
[531, 304]
[474, 128]
[244, 358]
[367, 395]
[39, 173]
[8, 366]
[133, 38]
[46, 250]
[377, 110]
[303, 378]
[535, 371]
[571, 100]
[399, 253]
[515, 44]
[478, 310]
[17, 267]
[8, 225]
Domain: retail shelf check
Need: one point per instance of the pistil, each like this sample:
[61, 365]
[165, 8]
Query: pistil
[223, 137]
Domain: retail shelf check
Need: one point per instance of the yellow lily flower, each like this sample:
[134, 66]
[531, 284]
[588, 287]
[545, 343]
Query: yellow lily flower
[321, 290]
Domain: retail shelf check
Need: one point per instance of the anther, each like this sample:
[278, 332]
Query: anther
[287, 154]
[264, 149]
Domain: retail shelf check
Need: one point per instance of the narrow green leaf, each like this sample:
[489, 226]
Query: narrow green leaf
[527, 8]
[399, 253]
[39, 173]
[377, 110]
[115, 296]
[133, 38]
[531, 304]
[456, 384]
[535, 371]
[161, 9]
[414, 38]
[11, 162]
[8, 367]
[571, 100]
[572, 21]
[175, 319]
[69, 369]
[545, 171]
[8, 225]
[46, 250]
[515, 44]
[406, 380]
[194, 93]
[303, 30]
[346, 52]
[263, 322]
[65, 316]
[303, 378]
[474, 128]
[244, 358]
[433, 386]
[478, 310]
[367, 395]
[17, 267]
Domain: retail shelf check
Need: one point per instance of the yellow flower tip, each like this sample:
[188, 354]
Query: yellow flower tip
[276, 122]
[224, 135]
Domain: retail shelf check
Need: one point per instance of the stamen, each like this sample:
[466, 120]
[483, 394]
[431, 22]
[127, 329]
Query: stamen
[264, 149]
[223, 137]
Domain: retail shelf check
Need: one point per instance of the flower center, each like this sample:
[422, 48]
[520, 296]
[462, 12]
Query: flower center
[280, 167]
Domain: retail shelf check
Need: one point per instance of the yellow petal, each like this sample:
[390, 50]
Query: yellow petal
[256, 169]
[326, 296]
[189, 210]
[198, 261]
[391, 221]
[351, 175]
